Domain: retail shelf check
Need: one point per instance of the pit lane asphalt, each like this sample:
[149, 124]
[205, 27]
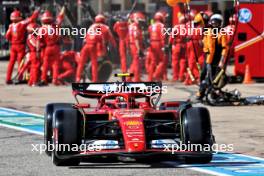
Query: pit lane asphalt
[241, 126]
[17, 158]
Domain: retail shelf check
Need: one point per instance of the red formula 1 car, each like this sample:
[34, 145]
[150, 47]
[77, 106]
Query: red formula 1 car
[128, 121]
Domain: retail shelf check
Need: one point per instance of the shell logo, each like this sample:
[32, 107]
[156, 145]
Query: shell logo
[133, 123]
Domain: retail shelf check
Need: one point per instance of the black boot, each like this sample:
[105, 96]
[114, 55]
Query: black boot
[43, 83]
[9, 82]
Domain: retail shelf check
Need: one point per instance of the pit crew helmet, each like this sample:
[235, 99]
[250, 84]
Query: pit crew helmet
[47, 17]
[99, 18]
[216, 21]
[159, 17]
[16, 16]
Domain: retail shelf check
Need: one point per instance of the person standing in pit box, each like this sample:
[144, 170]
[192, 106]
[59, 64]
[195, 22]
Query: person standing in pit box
[135, 40]
[166, 47]
[51, 41]
[177, 40]
[157, 43]
[121, 28]
[34, 54]
[217, 49]
[92, 42]
[16, 35]
[106, 33]
[194, 50]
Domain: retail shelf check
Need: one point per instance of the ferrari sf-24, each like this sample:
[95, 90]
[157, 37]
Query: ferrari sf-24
[128, 123]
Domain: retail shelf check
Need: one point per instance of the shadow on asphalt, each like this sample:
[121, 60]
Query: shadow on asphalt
[122, 166]
[158, 165]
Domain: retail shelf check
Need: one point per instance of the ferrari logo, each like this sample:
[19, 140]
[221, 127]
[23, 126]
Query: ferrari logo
[133, 123]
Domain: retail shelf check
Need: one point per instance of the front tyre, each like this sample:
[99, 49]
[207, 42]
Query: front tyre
[67, 133]
[196, 129]
[48, 118]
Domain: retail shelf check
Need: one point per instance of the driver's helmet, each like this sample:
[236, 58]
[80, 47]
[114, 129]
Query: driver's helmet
[121, 102]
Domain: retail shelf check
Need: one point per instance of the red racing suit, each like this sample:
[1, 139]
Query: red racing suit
[135, 38]
[34, 58]
[166, 62]
[51, 53]
[194, 53]
[157, 42]
[230, 30]
[178, 43]
[92, 42]
[67, 65]
[16, 35]
[147, 60]
[107, 37]
[121, 28]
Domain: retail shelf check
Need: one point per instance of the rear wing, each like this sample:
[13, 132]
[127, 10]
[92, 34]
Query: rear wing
[97, 90]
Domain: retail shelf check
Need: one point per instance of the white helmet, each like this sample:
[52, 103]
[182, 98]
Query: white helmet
[216, 19]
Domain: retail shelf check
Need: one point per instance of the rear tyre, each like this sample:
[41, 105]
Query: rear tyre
[104, 70]
[196, 129]
[67, 131]
[48, 116]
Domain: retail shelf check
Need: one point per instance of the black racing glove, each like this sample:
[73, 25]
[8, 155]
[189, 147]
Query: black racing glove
[166, 48]
[141, 53]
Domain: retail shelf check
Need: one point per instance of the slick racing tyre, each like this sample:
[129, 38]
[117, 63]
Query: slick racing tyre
[48, 116]
[104, 70]
[66, 132]
[196, 129]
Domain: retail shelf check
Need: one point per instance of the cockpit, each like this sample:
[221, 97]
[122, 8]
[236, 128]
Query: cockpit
[125, 101]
